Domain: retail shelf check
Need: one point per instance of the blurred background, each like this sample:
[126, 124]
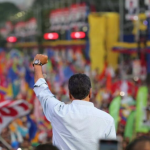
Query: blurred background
[107, 40]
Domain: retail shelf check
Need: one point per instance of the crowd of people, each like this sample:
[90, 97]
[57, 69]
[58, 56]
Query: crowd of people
[17, 76]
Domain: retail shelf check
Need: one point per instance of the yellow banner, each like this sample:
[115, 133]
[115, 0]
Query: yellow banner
[112, 35]
[97, 35]
[104, 32]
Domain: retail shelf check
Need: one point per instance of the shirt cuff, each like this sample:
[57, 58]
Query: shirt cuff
[39, 86]
[40, 82]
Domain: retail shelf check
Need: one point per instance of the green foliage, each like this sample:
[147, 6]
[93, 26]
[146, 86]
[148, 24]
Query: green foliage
[6, 10]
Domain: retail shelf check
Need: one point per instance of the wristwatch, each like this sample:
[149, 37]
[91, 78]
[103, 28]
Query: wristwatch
[37, 62]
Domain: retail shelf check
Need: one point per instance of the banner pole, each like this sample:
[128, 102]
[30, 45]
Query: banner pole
[5, 143]
[138, 23]
[121, 11]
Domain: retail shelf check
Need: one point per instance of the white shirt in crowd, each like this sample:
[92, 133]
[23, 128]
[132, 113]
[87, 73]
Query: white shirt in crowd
[76, 126]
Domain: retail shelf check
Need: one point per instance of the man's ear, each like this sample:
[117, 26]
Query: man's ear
[90, 93]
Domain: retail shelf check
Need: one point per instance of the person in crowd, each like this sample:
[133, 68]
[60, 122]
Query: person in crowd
[78, 125]
[60, 71]
[141, 143]
[46, 147]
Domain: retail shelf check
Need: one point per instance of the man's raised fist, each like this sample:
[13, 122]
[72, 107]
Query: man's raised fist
[43, 59]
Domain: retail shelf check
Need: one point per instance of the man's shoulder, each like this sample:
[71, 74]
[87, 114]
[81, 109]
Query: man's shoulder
[103, 114]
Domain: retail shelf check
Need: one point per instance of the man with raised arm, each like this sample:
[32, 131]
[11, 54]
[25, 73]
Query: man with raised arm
[76, 126]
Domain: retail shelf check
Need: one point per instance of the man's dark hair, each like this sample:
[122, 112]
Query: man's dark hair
[46, 147]
[133, 144]
[79, 86]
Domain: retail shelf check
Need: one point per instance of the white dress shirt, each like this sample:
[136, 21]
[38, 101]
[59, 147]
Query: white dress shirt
[76, 126]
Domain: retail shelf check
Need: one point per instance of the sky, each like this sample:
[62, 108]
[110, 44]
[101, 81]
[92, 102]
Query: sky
[22, 4]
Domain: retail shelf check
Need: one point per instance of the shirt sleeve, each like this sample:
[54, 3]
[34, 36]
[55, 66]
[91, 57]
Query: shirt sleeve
[111, 131]
[46, 98]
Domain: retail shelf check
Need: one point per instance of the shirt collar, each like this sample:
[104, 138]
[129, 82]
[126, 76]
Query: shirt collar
[82, 102]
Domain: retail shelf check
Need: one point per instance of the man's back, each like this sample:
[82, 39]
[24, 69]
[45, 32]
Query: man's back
[80, 125]
[76, 126]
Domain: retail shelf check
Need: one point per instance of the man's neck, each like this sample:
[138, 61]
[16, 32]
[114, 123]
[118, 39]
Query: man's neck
[87, 100]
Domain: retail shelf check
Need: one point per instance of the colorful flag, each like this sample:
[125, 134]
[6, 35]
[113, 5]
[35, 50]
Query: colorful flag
[10, 110]
[141, 103]
[32, 128]
[109, 82]
[114, 110]
[129, 128]
[3, 90]
[103, 73]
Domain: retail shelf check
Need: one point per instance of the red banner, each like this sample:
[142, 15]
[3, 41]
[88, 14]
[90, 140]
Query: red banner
[62, 19]
[31, 27]
[27, 28]
[20, 29]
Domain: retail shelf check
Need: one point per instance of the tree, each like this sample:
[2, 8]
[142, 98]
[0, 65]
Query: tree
[6, 10]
